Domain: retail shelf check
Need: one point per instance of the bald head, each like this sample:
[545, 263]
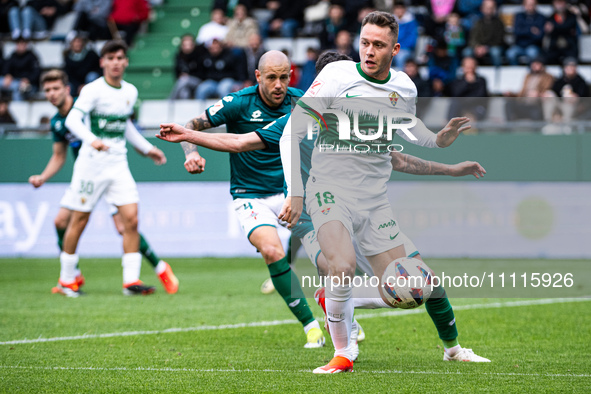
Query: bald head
[273, 59]
[273, 77]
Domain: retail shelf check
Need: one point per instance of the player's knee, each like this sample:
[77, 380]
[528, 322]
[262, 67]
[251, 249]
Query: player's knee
[60, 223]
[272, 253]
[131, 224]
[342, 268]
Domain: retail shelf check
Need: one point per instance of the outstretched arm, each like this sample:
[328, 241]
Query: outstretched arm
[409, 164]
[222, 142]
[444, 138]
[55, 163]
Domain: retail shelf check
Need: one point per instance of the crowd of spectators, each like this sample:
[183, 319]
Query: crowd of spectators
[448, 38]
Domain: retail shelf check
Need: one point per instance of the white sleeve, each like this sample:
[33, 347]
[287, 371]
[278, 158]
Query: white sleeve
[136, 139]
[425, 137]
[289, 146]
[75, 123]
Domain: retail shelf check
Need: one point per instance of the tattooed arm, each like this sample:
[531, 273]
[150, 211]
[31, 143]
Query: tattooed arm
[194, 163]
[409, 164]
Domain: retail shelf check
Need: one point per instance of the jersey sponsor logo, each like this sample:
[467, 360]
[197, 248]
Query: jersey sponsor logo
[326, 211]
[394, 237]
[228, 99]
[391, 223]
[102, 123]
[58, 125]
[253, 215]
[254, 117]
[216, 107]
[313, 90]
[351, 95]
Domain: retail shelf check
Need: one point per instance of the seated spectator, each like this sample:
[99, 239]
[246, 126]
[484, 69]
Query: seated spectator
[10, 18]
[561, 30]
[470, 11]
[344, 45]
[129, 15]
[21, 72]
[408, 33]
[81, 64]
[287, 17]
[528, 28]
[569, 87]
[308, 73]
[215, 28]
[487, 37]
[241, 27]
[253, 53]
[187, 69]
[472, 85]
[5, 115]
[92, 17]
[333, 24]
[442, 69]
[535, 84]
[35, 18]
[454, 35]
[411, 68]
[221, 72]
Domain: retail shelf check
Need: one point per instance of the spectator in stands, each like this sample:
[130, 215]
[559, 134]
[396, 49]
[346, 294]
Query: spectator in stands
[35, 18]
[5, 115]
[128, 16]
[472, 85]
[438, 12]
[411, 68]
[81, 64]
[215, 28]
[294, 80]
[9, 18]
[286, 19]
[187, 68]
[241, 27]
[470, 11]
[333, 24]
[442, 69]
[487, 37]
[561, 30]
[408, 33]
[253, 53]
[21, 72]
[308, 73]
[344, 45]
[222, 73]
[92, 17]
[528, 28]
[570, 87]
[454, 35]
[536, 83]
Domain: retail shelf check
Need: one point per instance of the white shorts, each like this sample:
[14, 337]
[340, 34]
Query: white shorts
[257, 212]
[312, 248]
[370, 220]
[90, 181]
[68, 198]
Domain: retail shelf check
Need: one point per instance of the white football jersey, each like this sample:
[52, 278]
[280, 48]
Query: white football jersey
[353, 151]
[107, 109]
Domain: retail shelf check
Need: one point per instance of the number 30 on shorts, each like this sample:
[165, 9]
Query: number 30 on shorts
[86, 187]
[326, 198]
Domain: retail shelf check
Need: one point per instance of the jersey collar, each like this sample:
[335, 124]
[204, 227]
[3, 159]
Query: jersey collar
[371, 79]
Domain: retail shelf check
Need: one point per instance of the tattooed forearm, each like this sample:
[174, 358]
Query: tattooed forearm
[413, 165]
[188, 147]
[199, 124]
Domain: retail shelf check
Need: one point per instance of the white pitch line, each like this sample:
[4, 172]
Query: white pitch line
[307, 371]
[397, 312]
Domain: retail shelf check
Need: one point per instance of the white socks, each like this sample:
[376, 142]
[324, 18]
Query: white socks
[452, 350]
[68, 269]
[339, 311]
[368, 298]
[310, 326]
[132, 264]
[160, 267]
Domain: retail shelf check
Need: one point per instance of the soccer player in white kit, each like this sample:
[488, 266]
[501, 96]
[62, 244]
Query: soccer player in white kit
[346, 190]
[101, 119]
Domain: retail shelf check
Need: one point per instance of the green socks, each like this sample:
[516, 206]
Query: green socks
[147, 252]
[283, 279]
[442, 314]
[60, 237]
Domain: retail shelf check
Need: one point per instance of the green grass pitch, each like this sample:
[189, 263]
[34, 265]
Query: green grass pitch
[533, 347]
